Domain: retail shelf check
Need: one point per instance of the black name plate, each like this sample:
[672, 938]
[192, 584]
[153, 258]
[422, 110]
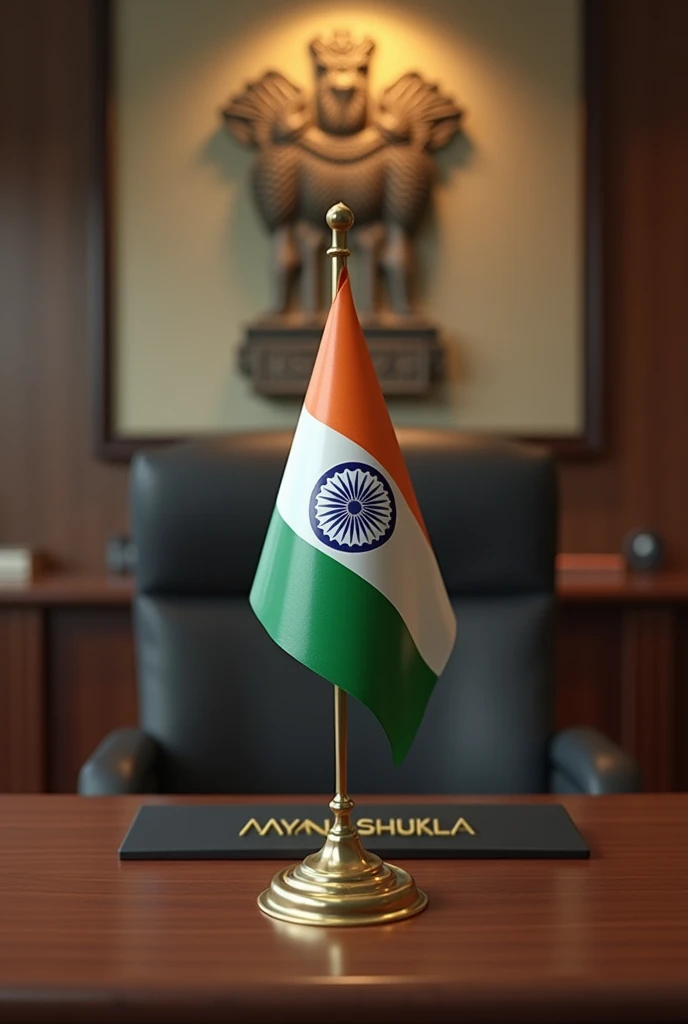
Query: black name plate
[291, 831]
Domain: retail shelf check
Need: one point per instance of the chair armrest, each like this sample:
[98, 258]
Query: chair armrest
[583, 760]
[124, 762]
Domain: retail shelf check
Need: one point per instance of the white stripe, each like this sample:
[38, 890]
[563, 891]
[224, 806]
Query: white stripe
[404, 568]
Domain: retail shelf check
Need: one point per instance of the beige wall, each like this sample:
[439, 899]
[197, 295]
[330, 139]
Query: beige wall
[500, 258]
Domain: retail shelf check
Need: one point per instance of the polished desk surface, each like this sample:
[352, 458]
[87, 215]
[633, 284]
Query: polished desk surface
[85, 938]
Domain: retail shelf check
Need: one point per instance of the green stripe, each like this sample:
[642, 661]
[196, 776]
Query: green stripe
[341, 627]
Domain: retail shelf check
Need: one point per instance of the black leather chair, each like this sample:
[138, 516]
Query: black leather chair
[224, 710]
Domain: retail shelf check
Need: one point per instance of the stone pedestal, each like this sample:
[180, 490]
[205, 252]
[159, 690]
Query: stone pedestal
[278, 353]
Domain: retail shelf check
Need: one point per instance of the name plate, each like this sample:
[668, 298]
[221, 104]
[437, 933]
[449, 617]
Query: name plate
[291, 831]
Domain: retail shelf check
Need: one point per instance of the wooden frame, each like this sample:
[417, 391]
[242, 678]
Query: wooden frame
[108, 445]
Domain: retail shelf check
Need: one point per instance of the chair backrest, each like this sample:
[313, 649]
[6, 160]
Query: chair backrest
[234, 713]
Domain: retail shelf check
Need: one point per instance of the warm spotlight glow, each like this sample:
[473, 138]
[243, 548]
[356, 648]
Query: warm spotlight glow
[499, 262]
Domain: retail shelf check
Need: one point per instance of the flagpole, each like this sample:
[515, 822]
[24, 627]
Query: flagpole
[340, 220]
[340, 742]
[343, 883]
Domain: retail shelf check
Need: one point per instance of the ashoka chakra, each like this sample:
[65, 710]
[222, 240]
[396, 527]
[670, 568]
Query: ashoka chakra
[352, 508]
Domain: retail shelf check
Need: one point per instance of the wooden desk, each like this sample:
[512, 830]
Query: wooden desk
[84, 938]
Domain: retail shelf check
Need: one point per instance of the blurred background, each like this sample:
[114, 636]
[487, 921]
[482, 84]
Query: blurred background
[550, 263]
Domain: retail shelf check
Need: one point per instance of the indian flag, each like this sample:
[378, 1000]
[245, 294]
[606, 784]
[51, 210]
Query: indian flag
[347, 582]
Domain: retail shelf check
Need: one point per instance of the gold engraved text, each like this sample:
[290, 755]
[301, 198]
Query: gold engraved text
[365, 827]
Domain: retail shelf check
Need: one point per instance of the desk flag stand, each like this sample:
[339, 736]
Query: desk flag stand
[341, 884]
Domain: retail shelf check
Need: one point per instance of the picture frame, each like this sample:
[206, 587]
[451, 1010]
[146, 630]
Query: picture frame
[109, 444]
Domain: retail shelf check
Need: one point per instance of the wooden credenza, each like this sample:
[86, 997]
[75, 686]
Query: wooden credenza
[67, 673]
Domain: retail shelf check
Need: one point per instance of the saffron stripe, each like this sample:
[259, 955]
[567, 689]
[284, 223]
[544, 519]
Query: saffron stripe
[345, 394]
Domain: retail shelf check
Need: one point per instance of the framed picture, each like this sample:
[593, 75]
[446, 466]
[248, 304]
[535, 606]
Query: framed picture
[508, 258]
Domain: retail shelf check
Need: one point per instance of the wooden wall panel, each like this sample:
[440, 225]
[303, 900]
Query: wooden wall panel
[645, 165]
[92, 686]
[52, 490]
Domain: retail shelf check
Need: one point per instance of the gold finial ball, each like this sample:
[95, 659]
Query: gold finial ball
[339, 218]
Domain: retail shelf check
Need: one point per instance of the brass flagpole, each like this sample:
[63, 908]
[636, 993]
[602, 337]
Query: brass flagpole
[341, 884]
[340, 220]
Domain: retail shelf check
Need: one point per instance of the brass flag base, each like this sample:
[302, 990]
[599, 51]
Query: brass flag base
[343, 884]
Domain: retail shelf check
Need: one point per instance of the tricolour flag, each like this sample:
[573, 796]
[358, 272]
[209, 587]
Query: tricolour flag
[347, 582]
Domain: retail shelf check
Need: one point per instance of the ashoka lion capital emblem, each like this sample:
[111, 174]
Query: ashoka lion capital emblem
[338, 146]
